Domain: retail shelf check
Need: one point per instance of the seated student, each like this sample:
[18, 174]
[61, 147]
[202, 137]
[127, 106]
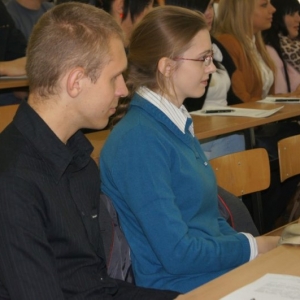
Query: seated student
[26, 13]
[283, 44]
[12, 52]
[241, 35]
[218, 89]
[113, 7]
[253, 80]
[154, 170]
[51, 245]
[126, 12]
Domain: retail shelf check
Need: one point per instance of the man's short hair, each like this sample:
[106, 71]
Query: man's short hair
[67, 36]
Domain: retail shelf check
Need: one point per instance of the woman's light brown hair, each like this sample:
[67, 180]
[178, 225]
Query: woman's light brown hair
[166, 31]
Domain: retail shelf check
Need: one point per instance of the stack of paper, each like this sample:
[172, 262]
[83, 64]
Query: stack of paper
[269, 287]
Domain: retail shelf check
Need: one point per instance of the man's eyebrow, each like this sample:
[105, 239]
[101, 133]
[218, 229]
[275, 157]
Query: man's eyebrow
[122, 71]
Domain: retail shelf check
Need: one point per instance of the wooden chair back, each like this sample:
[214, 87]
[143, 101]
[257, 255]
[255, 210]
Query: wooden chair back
[289, 157]
[97, 139]
[243, 172]
[7, 113]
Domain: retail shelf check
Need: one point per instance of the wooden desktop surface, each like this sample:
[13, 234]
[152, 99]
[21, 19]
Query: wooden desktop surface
[12, 83]
[205, 127]
[210, 126]
[284, 259]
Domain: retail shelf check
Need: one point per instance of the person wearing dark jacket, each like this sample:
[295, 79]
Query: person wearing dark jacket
[51, 243]
[12, 53]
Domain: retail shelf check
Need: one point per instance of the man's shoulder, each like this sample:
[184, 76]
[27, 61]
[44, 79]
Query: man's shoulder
[12, 144]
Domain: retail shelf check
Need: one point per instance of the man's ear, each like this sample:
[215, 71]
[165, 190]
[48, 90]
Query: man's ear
[166, 66]
[75, 81]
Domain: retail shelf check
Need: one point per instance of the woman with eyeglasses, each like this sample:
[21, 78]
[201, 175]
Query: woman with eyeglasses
[218, 91]
[154, 170]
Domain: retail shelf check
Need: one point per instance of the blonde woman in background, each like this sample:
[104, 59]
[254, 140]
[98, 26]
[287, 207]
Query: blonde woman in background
[238, 28]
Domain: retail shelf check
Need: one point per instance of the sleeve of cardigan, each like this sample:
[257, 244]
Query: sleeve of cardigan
[240, 76]
[141, 174]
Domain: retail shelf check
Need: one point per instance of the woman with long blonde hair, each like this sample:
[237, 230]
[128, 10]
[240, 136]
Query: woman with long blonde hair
[238, 27]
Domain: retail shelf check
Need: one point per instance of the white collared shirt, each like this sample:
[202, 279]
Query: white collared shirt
[177, 115]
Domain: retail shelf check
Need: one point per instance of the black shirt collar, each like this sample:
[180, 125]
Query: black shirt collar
[75, 154]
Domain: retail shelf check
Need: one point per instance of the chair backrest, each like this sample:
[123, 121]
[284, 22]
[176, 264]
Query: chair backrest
[7, 113]
[243, 172]
[97, 139]
[289, 157]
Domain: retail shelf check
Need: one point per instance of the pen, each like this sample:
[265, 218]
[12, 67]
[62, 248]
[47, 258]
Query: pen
[218, 111]
[287, 100]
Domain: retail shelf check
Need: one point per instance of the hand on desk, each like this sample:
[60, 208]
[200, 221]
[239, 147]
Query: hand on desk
[266, 243]
[13, 67]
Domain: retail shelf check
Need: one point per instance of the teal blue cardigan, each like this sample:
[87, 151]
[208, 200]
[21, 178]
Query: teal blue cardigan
[165, 193]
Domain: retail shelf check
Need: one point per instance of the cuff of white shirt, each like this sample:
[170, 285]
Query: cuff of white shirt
[253, 245]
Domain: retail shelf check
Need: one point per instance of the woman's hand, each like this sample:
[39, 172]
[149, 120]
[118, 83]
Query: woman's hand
[266, 243]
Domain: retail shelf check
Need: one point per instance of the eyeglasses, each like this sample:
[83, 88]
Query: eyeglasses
[207, 59]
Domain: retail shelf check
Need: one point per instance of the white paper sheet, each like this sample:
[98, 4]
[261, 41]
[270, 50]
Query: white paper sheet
[236, 112]
[269, 287]
[281, 100]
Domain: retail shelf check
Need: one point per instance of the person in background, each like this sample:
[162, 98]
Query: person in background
[51, 244]
[153, 168]
[241, 35]
[12, 55]
[26, 13]
[133, 12]
[113, 7]
[283, 44]
[218, 89]
[126, 12]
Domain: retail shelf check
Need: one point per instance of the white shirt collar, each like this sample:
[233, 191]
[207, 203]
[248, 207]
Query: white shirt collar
[177, 115]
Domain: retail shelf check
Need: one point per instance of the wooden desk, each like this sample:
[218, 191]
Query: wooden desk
[284, 259]
[13, 83]
[205, 127]
[6, 115]
[210, 126]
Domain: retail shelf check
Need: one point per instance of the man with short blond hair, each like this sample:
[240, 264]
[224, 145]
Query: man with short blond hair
[51, 245]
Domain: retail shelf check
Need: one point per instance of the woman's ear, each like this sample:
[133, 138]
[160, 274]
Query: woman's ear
[166, 66]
